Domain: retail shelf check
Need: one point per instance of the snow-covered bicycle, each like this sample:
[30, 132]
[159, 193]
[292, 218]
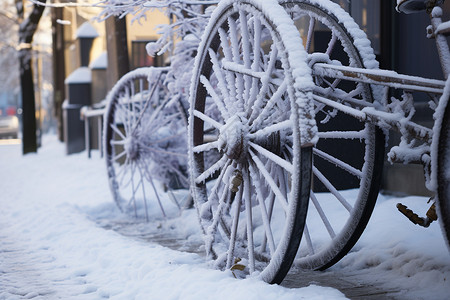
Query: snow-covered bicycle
[250, 133]
[352, 109]
[264, 102]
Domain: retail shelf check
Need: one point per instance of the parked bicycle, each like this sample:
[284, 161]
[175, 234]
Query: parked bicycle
[286, 107]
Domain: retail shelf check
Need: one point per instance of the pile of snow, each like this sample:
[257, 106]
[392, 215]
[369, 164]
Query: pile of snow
[397, 255]
[86, 30]
[101, 62]
[79, 76]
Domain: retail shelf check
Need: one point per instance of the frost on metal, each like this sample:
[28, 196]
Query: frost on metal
[144, 142]
[255, 93]
[438, 118]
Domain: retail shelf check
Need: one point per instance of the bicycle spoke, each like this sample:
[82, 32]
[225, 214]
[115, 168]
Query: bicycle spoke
[339, 163]
[269, 106]
[331, 44]
[322, 215]
[217, 216]
[206, 147]
[256, 67]
[266, 131]
[133, 104]
[212, 169]
[118, 143]
[265, 80]
[307, 237]
[238, 82]
[245, 41]
[312, 24]
[117, 130]
[234, 228]
[143, 192]
[133, 188]
[122, 171]
[217, 100]
[207, 119]
[354, 135]
[119, 156]
[273, 157]
[157, 197]
[270, 205]
[248, 210]
[231, 93]
[264, 213]
[269, 180]
[219, 181]
[332, 189]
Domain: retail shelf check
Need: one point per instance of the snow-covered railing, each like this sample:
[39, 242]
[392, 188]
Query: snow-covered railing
[89, 114]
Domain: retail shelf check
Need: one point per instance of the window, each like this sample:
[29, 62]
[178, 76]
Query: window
[139, 56]
[367, 14]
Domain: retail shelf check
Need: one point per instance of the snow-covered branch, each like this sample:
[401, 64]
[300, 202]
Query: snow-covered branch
[67, 3]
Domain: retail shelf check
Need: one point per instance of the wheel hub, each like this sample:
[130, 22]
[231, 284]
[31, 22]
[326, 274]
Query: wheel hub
[233, 138]
[132, 148]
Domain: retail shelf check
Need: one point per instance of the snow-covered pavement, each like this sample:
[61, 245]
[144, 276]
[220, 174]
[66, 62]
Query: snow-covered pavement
[61, 237]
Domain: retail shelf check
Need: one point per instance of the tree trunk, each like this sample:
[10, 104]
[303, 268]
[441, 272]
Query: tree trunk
[117, 48]
[59, 71]
[27, 29]
[29, 138]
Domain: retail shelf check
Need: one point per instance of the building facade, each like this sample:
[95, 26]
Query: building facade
[82, 42]
[399, 42]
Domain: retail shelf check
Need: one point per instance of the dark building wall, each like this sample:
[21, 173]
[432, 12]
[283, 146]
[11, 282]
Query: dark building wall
[411, 53]
[415, 53]
[400, 43]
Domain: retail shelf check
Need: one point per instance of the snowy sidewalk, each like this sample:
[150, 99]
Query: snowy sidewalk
[53, 243]
[61, 237]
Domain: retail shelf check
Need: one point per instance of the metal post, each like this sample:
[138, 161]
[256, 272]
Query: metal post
[441, 41]
[86, 136]
[100, 139]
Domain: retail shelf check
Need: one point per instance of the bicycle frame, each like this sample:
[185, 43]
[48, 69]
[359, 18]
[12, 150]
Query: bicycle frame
[394, 116]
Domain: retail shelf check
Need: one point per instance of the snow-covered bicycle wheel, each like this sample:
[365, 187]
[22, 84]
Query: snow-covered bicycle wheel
[348, 159]
[145, 146]
[249, 153]
[441, 161]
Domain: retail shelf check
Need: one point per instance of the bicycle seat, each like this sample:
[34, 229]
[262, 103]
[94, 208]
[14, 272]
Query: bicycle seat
[412, 6]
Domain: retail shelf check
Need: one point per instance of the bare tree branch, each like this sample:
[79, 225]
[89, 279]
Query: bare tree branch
[29, 25]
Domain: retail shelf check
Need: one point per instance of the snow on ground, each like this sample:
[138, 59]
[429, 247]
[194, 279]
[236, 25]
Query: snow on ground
[56, 242]
[398, 255]
[54, 245]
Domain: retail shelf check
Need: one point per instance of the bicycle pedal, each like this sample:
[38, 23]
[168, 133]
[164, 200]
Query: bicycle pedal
[236, 268]
[416, 219]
